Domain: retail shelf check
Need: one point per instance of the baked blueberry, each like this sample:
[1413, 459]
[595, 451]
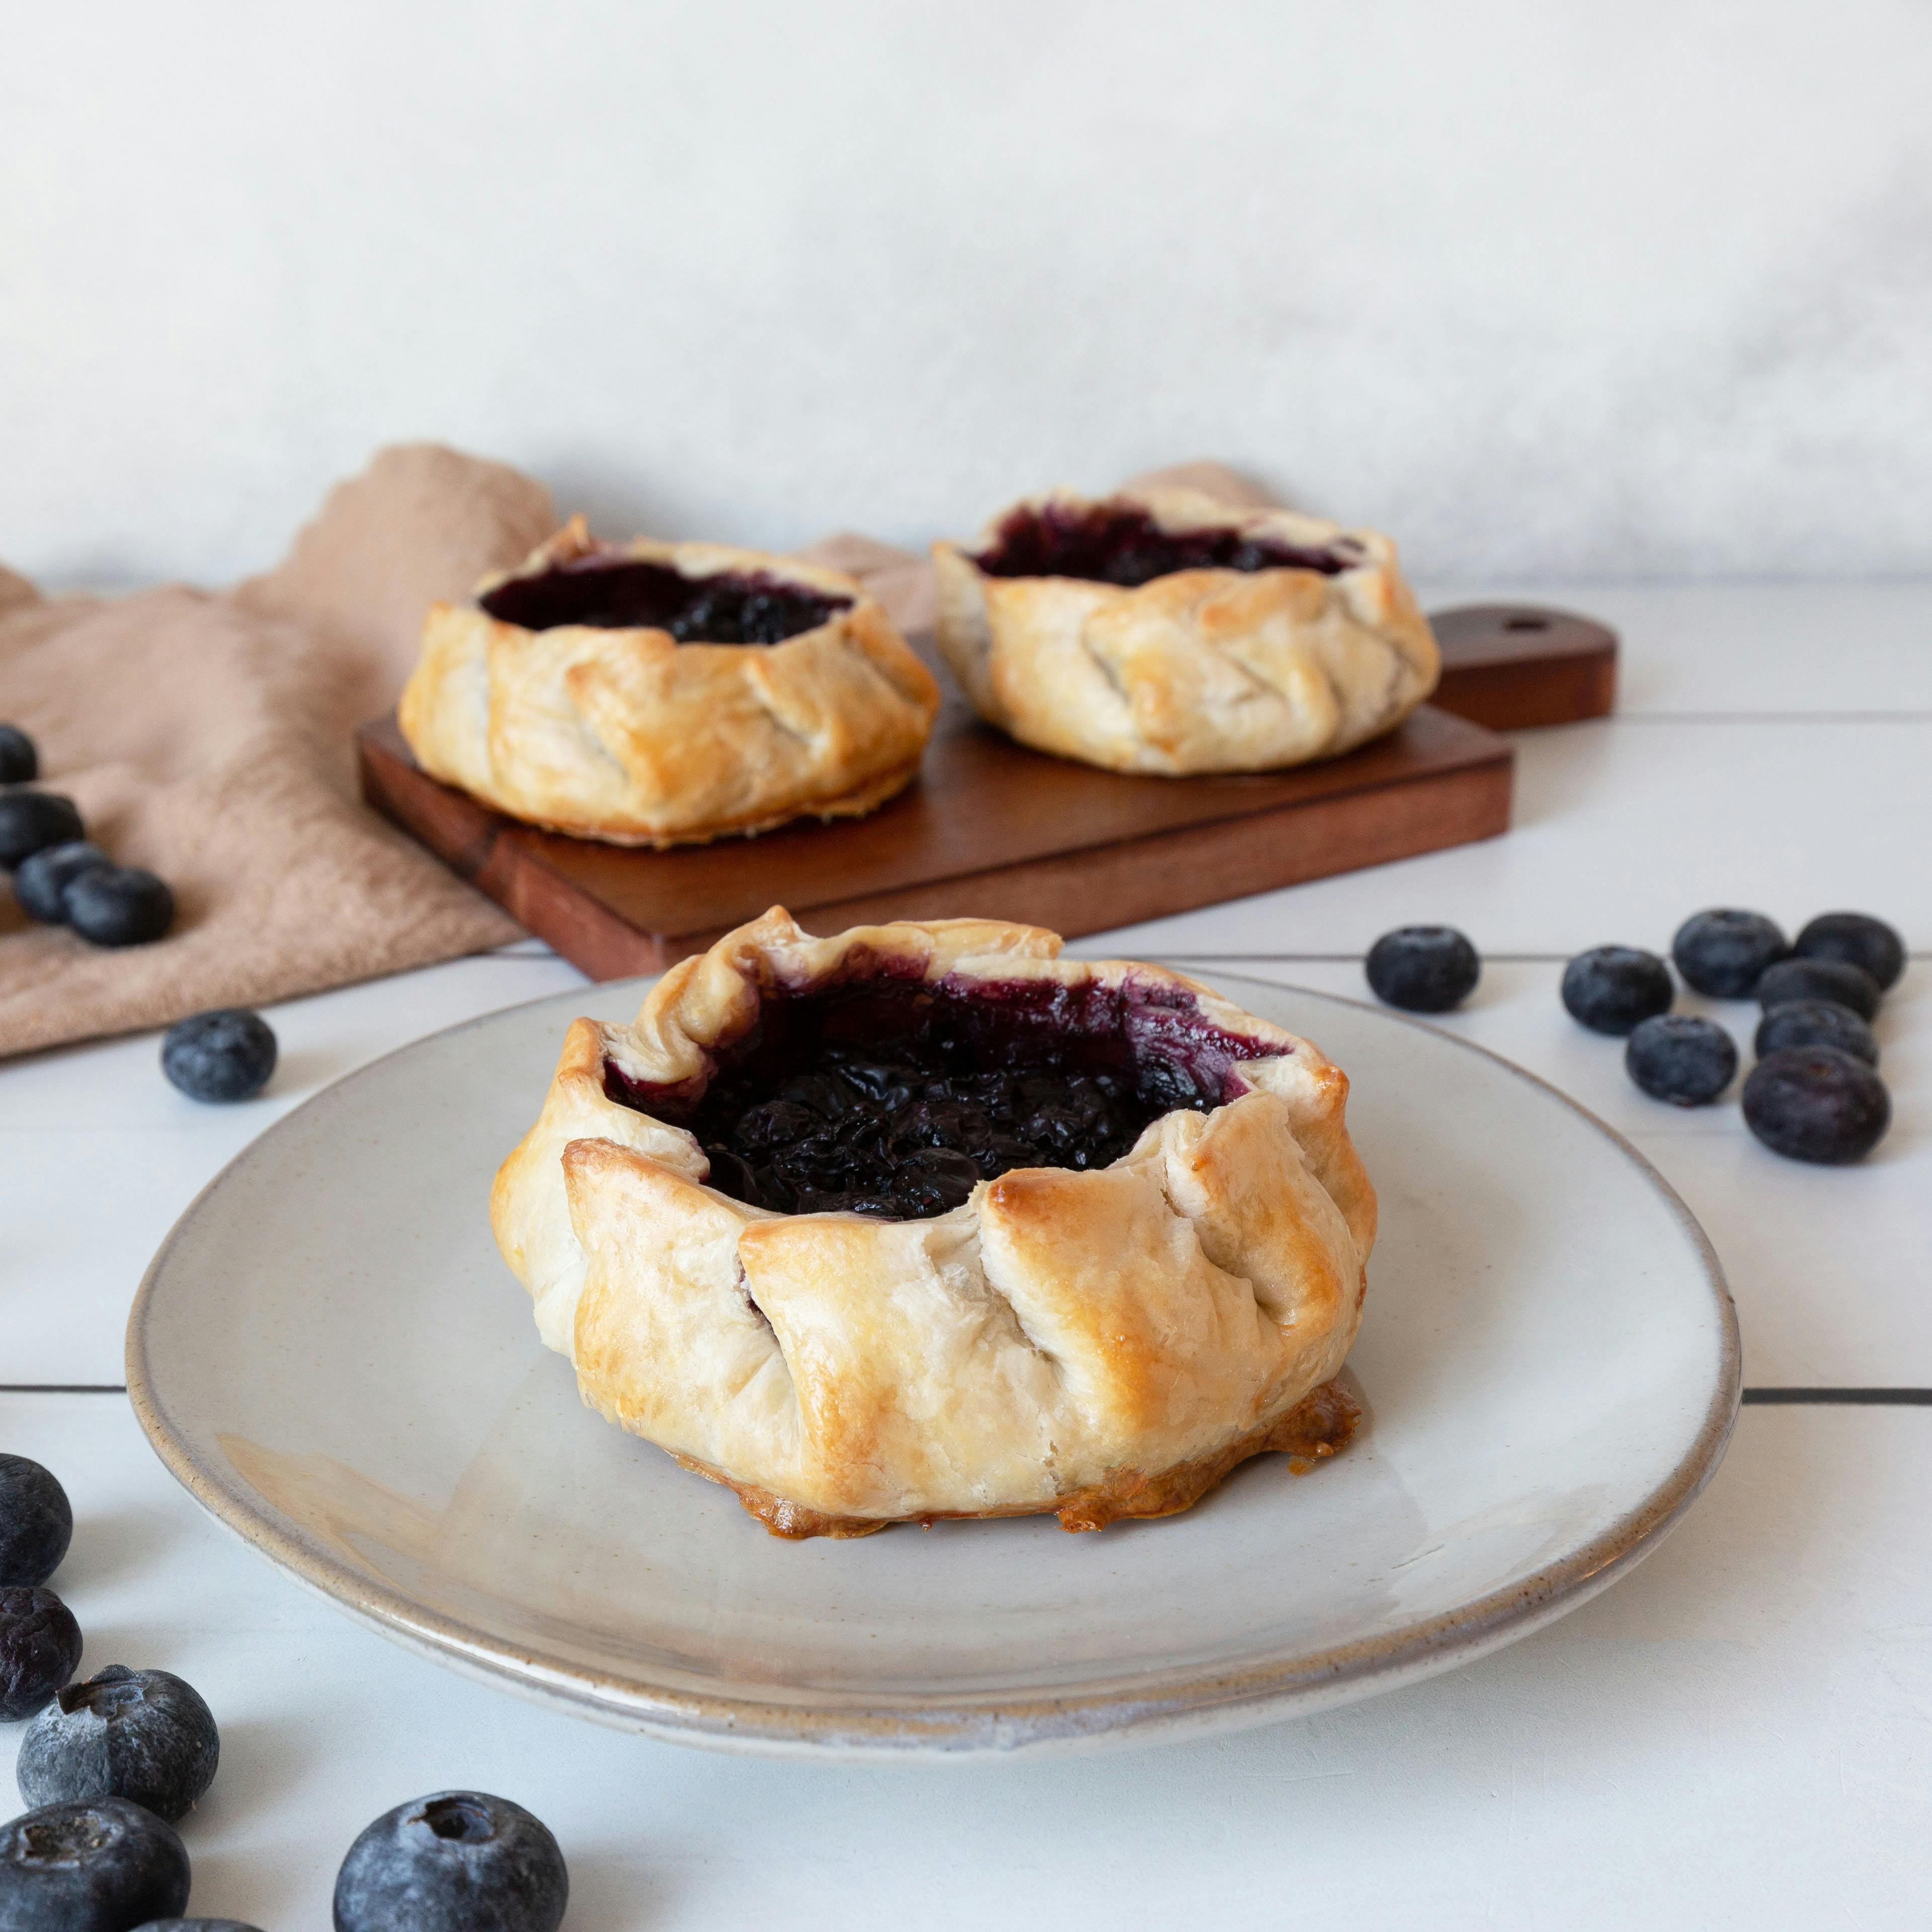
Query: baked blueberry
[1723, 952]
[1820, 979]
[1859, 940]
[40, 884]
[39, 1649]
[101, 1867]
[30, 821]
[1816, 1103]
[1680, 1058]
[1124, 543]
[1423, 969]
[455, 1861]
[891, 1098]
[118, 905]
[36, 1521]
[227, 1054]
[1613, 989]
[20, 762]
[144, 1735]
[615, 591]
[1815, 1023]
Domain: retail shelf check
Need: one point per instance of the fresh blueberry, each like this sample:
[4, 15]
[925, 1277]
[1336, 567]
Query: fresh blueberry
[1820, 979]
[39, 1649]
[41, 883]
[1676, 1058]
[1815, 1023]
[1816, 1103]
[455, 1861]
[195, 1925]
[1423, 969]
[1722, 951]
[102, 1867]
[30, 821]
[1613, 989]
[117, 905]
[141, 1735]
[225, 1055]
[20, 762]
[36, 1521]
[1859, 940]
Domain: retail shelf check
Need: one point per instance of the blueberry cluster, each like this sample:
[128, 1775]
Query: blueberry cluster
[910, 1134]
[110, 1766]
[630, 593]
[1118, 543]
[1814, 1094]
[59, 877]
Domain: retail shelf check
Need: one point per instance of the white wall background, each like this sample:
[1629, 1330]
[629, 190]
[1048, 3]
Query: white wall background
[1544, 287]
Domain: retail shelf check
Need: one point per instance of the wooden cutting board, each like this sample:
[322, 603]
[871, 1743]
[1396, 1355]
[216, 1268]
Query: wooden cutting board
[991, 830]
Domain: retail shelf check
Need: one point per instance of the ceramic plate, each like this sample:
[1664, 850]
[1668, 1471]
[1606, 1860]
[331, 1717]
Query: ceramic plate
[329, 1353]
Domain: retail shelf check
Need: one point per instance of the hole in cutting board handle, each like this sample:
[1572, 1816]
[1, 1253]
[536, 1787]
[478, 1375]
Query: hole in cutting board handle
[1514, 667]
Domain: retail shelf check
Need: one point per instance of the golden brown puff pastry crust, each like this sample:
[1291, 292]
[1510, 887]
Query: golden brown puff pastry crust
[628, 736]
[1198, 671]
[1096, 1343]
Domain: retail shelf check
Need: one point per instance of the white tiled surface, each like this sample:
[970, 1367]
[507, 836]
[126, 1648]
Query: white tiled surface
[1735, 1735]
[1831, 1267]
[1738, 1734]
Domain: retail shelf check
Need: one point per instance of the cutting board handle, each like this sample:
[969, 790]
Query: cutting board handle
[1514, 666]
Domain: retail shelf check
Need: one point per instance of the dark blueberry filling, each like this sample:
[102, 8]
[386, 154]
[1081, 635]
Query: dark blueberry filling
[618, 593]
[895, 1098]
[1118, 543]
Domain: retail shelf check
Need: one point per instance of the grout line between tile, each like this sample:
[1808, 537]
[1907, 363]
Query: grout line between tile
[1763, 717]
[63, 1388]
[1861, 1398]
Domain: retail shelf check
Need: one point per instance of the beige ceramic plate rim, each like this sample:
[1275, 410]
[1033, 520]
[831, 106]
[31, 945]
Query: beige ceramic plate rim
[900, 1724]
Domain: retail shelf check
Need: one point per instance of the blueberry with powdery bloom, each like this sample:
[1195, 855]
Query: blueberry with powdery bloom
[1678, 1057]
[1856, 939]
[455, 1862]
[195, 1925]
[39, 1649]
[118, 905]
[31, 821]
[1613, 989]
[36, 1521]
[1815, 1023]
[1820, 979]
[228, 1054]
[40, 884]
[1423, 969]
[1724, 952]
[20, 762]
[1815, 1103]
[102, 1867]
[144, 1735]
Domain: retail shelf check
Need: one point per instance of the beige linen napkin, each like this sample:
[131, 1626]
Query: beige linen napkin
[207, 736]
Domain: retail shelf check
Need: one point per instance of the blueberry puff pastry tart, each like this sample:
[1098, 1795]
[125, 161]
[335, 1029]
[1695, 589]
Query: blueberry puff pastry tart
[1162, 630]
[924, 1220]
[654, 694]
